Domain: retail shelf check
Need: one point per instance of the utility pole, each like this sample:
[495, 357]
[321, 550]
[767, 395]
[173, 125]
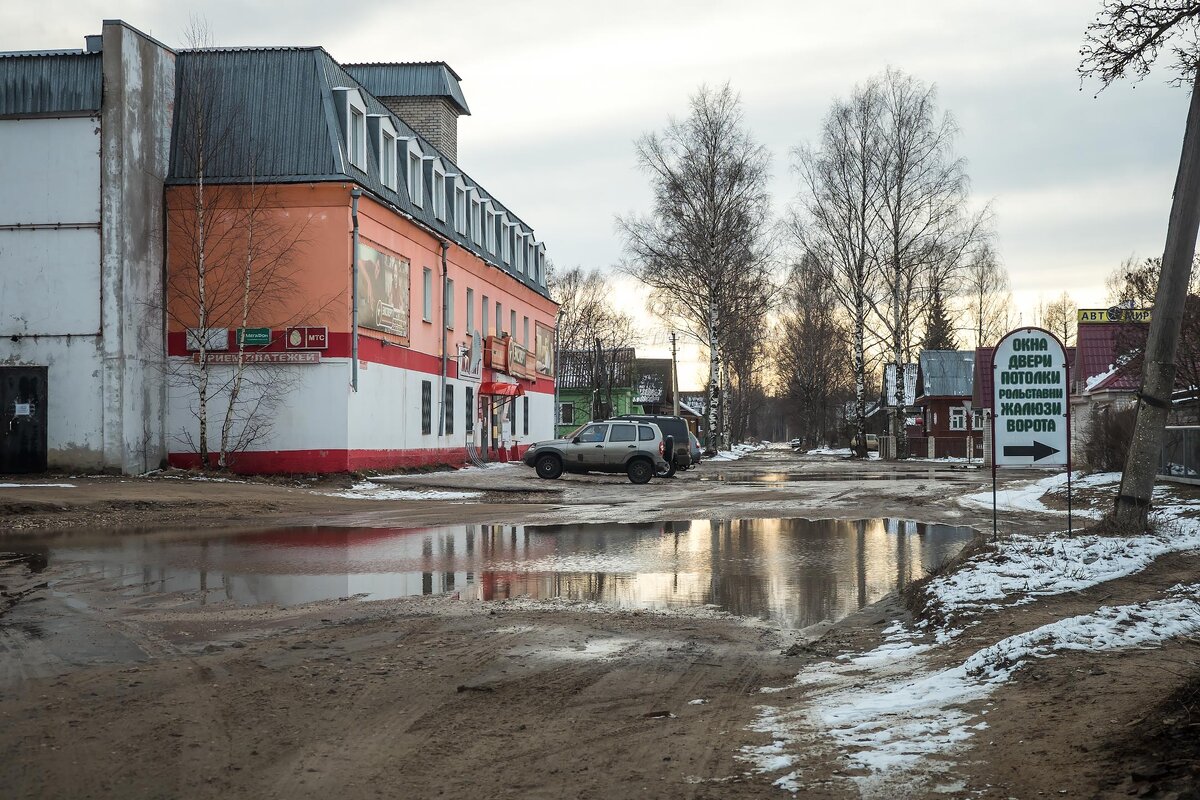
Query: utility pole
[674, 378]
[1158, 370]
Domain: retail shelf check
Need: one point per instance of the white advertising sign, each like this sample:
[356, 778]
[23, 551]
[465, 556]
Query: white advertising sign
[1030, 400]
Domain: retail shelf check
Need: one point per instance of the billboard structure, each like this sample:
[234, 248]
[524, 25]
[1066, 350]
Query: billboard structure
[382, 291]
[1031, 405]
[543, 349]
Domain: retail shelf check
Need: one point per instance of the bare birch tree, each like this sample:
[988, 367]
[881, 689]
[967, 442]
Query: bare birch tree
[985, 288]
[924, 228]
[1059, 317]
[586, 311]
[835, 224]
[234, 261]
[706, 243]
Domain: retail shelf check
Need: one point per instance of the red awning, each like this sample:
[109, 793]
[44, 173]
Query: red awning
[506, 389]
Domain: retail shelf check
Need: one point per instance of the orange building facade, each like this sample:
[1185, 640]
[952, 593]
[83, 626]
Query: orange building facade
[394, 313]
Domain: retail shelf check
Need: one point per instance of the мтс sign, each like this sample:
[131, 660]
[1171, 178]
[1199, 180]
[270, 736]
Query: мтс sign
[1031, 402]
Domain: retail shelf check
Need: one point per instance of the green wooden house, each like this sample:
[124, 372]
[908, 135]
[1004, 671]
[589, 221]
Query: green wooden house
[594, 384]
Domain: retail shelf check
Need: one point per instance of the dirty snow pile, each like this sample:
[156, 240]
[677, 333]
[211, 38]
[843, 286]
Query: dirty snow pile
[1026, 567]
[891, 721]
[1027, 497]
[366, 490]
[739, 451]
[37, 486]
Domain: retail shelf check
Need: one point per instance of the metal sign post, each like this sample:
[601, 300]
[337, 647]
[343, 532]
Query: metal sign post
[1031, 406]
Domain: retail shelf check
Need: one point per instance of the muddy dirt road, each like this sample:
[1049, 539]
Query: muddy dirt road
[114, 686]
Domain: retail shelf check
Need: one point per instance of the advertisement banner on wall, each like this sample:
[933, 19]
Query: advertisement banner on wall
[543, 350]
[382, 291]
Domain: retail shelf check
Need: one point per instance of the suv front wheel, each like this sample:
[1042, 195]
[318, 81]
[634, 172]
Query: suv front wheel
[640, 470]
[548, 466]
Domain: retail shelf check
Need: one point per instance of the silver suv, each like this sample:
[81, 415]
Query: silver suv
[634, 448]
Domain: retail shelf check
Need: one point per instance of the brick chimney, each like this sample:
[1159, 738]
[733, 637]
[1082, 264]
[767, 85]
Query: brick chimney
[425, 95]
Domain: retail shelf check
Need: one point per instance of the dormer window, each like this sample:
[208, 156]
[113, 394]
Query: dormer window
[383, 134]
[540, 269]
[519, 250]
[439, 191]
[505, 240]
[352, 111]
[460, 208]
[489, 228]
[476, 222]
[416, 191]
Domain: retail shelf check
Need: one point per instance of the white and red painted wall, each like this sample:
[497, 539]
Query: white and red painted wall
[322, 422]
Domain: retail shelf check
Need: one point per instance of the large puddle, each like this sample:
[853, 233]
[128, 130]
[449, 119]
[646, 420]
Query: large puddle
[793, 572]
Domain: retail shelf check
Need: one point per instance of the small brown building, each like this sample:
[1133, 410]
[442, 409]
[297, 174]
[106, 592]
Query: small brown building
[953, 427]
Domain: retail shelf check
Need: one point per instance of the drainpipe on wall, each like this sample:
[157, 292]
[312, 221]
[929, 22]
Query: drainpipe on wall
[442, 394]
[355, 193]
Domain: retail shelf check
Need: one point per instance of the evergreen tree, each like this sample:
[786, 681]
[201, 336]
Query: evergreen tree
[939, 332]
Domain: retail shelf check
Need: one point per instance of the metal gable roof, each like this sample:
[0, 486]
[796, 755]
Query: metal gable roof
[945, 373]
[576, 368]
[1104, 349]
[50, 82]
[283, 97]
[411, 79]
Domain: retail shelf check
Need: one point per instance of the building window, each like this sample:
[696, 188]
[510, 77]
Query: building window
[566, 413]
[439, 192]
[470, 311]
[358, 138]
[387, 160]
[512, 417]
[977, 418]
[416, 189]
[499, 318]
[512, 324]
[489, 229]
[524, 416]
[519, 250]
[525, 331]
[449, 406]
[470, 420]
[426, 408]
[449, 302]
[460, 210]
[427, 294]
[476, 224]
[506, 242]
[484, 327]
[958, 418]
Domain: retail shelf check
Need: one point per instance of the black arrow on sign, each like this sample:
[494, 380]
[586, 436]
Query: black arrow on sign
[1037, 450]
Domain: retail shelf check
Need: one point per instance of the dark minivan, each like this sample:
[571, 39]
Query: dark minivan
[674, 427]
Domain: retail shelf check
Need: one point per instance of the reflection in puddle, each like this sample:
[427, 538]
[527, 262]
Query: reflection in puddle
[791, 571]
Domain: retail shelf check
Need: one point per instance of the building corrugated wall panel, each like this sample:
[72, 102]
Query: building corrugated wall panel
[68, 83]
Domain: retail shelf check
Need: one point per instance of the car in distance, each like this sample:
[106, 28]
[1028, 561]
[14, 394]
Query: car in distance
[674, 428]
[695, 451]
[872, 442]
[612, 446]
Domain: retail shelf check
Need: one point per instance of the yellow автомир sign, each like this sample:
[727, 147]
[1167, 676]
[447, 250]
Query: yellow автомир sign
[1087, 315]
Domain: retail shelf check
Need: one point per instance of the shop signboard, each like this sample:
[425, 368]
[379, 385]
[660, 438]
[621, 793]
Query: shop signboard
[1030, 401]
[1115, 314]
[257, 357]
[306, 337]
[253, 337]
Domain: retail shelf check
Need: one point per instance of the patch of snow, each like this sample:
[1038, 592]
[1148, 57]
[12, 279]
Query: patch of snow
[1096, 380]
[699, 701]
[828, 451]
[1032, 566]
[202, 478]
[37, 486]
[739, 451]
[889, 723]
[367, 490]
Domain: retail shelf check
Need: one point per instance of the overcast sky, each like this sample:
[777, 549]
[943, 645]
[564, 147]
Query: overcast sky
[559, 91]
